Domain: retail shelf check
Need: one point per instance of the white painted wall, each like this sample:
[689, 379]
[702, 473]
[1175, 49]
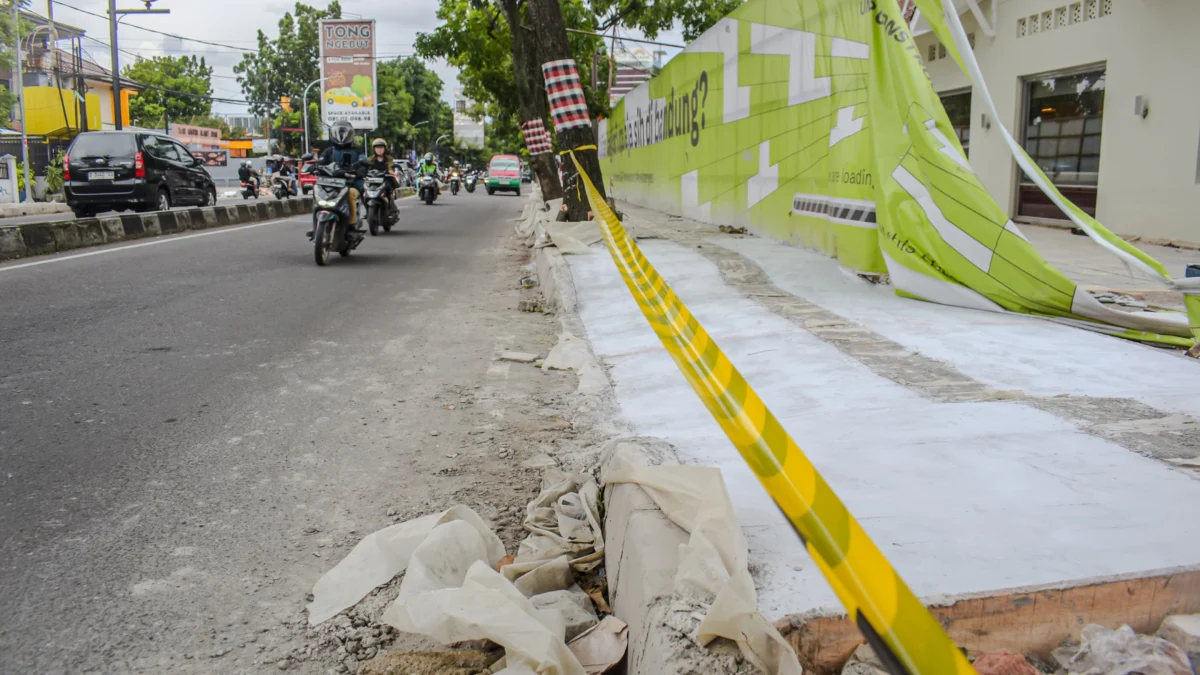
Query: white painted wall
[1148, 168]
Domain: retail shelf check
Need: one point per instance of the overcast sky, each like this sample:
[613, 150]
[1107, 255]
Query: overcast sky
[236, 22]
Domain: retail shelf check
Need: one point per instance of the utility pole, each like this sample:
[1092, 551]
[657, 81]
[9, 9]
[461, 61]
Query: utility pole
[16, 20]
[113, 14]
[612, 59]
[267, 92]
[116, 65]
[568, 107]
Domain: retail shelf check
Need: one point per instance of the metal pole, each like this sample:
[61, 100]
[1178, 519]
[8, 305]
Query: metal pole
[267, 92]
[16, 19]
[307, 147]
[116, 66]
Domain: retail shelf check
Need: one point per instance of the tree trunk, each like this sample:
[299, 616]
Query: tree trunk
[553, 45]
[531, 97]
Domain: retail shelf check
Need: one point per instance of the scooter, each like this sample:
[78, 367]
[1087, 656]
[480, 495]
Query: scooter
[331, 214]
[377, 200]
[248, 190]
[281, 187]
[469, 183]
[428, 189]
[453, 182]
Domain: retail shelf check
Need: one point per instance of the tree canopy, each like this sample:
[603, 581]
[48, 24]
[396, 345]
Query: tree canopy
[286, 64]
[183, 74]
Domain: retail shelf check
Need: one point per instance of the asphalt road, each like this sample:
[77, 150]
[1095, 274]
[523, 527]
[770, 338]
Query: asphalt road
[178, 414]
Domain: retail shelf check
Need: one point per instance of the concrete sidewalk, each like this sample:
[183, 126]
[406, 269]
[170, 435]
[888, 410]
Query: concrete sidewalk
[981, 451]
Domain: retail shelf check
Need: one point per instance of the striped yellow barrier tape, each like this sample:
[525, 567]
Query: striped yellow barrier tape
[903, 633]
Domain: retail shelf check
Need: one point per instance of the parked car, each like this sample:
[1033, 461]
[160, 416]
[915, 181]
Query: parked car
[405, 173]
[504, 174]
[308, 175]
[526, 174]
[139, 170]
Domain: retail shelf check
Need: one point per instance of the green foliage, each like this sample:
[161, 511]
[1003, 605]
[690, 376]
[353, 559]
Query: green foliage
[289, 61]
[21, 176]
[394, 118]
[54, 173]
[182, 74]
[8, 101]
[694, 16]
[475, 37]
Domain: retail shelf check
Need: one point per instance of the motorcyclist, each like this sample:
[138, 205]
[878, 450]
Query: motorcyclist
[381, 160]
[349, 158]
[289, 176]
[429, 167]
[247, 174]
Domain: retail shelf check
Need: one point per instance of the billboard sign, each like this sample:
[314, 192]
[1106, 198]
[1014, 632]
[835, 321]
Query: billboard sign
[196, 138]
[348, 72]
[212, 157]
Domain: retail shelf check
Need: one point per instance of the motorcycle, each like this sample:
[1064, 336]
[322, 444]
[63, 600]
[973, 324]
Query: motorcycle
[453, 182]
[249, 190]
[428, 190]
[376, 199]
[472, 178]
[331, 214]
[281, 186]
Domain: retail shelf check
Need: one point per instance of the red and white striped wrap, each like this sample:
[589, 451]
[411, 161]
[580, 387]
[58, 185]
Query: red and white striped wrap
[568, 106]
[537, 138]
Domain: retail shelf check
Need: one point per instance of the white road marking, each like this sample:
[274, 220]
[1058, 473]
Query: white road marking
[155, 242]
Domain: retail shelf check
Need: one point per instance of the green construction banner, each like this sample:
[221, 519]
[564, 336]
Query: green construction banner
[813, 122]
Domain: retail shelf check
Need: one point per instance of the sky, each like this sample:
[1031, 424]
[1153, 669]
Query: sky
[228, 22]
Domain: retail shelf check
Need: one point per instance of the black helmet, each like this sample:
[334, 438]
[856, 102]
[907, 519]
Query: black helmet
[341, 133]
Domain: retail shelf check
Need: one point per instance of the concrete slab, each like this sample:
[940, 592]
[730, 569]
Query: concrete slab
[1052, 359]
[962, 497]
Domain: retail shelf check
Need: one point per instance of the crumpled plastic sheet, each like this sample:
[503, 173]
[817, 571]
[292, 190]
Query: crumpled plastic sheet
[573, 353]
[712, 575]
[452, 593]
[381, 555]
[451, 590]
[565, 534]
[1103, 651]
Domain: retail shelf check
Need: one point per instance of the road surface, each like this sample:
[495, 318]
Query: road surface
[194, 428]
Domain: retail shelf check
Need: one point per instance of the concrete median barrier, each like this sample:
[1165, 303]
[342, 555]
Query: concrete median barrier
[19, 241]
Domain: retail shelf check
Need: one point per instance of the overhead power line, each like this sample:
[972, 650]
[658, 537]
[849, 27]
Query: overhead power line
[151, 30]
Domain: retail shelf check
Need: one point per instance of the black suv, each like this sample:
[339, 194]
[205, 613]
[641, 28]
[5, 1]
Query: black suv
[140, 170]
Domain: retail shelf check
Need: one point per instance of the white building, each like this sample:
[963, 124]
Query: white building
[466, 128]
[1103, 94]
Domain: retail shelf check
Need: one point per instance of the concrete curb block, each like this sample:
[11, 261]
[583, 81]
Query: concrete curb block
[33, 209]
[641, 558]
[19, 241]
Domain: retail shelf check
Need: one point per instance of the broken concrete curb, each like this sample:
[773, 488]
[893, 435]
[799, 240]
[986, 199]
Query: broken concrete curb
[19, 241]
[642, 544]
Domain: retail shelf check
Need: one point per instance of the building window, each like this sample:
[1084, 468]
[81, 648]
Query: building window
[1020, 28]
[1060, 17]
[971, 40]
[941, 51]
[933, 52]
[958, 109]
[1063, 118]
[1076, 12]
[1033, 24]
[1091, 7]
[1105, 7]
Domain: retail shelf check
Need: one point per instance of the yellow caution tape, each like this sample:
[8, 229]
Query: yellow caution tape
[901, 630]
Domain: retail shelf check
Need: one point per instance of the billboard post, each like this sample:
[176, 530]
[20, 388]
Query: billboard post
[347, 54]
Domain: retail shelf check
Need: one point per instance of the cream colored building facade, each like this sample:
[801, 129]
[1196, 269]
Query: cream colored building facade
[1103, 94]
